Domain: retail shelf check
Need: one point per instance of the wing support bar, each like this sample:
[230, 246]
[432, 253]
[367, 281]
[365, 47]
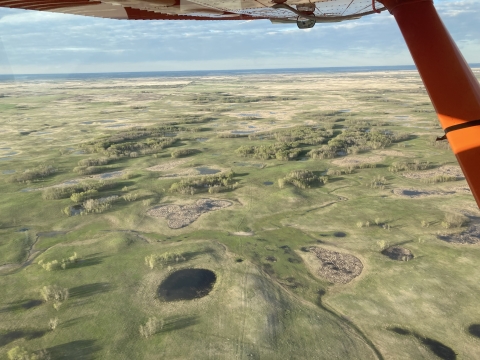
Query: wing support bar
[453, 88]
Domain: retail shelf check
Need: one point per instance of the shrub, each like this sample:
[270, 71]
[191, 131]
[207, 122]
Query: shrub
[99, 205]
[82, 196]
[19, 353]
[53, 323]
[130, 197]
[183, 152]
[454, 220]
[204, 183]
[95, 162]
[54, 294]
[56, 265]
[303, 179]
[378, 182]
[34, 174]
[151, 327]
[164, 259]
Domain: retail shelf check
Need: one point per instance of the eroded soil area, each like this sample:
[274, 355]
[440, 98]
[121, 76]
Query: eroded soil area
[336, 267]
[179, 216]
[470, 236]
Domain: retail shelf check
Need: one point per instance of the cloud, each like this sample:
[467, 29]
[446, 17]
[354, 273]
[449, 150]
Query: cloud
[47, 42]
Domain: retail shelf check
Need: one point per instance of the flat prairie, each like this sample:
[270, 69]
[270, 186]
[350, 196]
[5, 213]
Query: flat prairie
[292, 189]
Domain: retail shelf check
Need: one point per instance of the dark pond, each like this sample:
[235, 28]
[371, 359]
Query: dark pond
[187, 284]
[339, 234]
[268, 183]
[207, 171]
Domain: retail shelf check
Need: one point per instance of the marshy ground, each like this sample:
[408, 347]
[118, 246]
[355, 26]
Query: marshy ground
[296, 191]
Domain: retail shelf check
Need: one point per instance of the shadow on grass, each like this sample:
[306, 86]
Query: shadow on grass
[21, 305]
[474, 330]
[89, 290]
[78, 350]
[8, 337]
[89, 261]
[441, 350]
[179, 322]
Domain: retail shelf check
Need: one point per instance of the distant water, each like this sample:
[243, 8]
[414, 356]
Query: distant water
[173, 74]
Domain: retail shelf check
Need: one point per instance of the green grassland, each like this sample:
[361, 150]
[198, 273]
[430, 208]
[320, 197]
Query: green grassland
[301, 158]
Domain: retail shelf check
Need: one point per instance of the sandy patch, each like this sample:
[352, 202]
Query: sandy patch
[179, 216]
[357, 160]
[339, 268]
[448, 170]
[244, 233]
[167, 166]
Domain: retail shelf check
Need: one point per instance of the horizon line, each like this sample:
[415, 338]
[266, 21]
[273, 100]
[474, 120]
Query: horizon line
[411, 66]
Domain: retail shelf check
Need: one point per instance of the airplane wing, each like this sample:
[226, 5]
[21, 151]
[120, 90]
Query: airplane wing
[275, 10]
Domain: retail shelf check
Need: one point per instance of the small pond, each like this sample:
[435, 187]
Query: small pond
[207, 171]
[242, 132]
[268, 183]
[187, 284]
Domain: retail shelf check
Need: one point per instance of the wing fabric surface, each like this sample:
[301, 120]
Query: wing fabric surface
[333, 10]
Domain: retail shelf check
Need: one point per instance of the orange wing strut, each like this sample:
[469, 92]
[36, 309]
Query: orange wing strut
[450, 83]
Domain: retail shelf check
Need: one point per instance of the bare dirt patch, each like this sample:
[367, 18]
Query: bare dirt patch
[445, 170]
[470, 236]
[179, 216]
[167, 166]
[244, 233]
[199, 171]
[398, 253]
[357, 160]
[336, 267]
[395, 153]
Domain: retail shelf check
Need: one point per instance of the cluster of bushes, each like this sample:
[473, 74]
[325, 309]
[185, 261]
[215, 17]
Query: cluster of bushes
[93, 205]
[226, 135]
[219, 182]
[279, 151]
[379, 223]
[96, 162]
[303, 179]
[56, 265]
[440, 178]
[82, 196]
[20, 353]
[34, 174]
[138, 139]
[304, 135]
[63, 192]
[163, 259]
[454, 220]
[324, 152]
[378, 182]
[183, 152]
[93, 166]
[55, 294]
[403, 166]
[99, 205]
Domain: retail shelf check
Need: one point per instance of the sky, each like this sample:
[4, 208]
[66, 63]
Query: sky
[34, 42]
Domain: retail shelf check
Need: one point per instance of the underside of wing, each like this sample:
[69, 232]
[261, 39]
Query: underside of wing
[276, 10]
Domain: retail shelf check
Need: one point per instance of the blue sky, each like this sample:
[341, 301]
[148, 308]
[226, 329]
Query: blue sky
[40, 42]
